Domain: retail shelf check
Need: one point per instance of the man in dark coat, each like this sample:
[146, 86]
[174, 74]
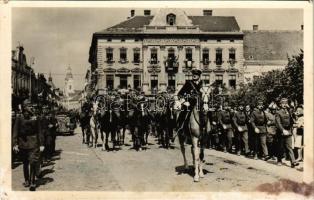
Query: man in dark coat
[259, 124]
[241, 130]
[225, 122]
[189, 97]
[28, 141]
[284, 123]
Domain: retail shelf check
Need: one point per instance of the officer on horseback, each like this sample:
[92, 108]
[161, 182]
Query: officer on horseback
[190, 95]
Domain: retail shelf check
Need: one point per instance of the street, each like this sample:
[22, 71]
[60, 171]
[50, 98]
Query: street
[79, 168]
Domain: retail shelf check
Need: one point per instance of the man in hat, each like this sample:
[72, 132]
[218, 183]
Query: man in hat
[284, 123]
[271, 130]
[28, 141]
[225, 122]
[241, 130]
[259, 124]
[215, 128]
[189, 96]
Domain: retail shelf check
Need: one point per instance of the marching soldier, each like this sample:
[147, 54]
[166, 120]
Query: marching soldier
[28, 141]
[259, 125]
[215, 129]
[52, 125]
[284, 123]
[225, 119]
[271, 131]
[241, 130]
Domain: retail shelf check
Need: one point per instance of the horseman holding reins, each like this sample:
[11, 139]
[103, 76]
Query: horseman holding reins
[189, 95]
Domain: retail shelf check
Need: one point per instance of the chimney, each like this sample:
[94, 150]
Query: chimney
[302, 26]
[255, 27]
[207, 12]
[132, 13]
[147, 12]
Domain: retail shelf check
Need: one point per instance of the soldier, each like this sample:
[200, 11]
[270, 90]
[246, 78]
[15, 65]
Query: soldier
[189, 96]
[241, 130]
[271, 131]
[259, 125]
[28, 141]
[225, 120]
[248, 113]
[284, 123]
[215, 129]
[52, 125]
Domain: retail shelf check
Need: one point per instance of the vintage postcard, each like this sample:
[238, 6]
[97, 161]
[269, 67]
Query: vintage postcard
[169, 99]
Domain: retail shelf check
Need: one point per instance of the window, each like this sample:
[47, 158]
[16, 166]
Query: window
[232, 55]
[188, 54]
[136, 81]
[171, 19]
[109, 81]
[231, 40]
[122, 40]
[136, 55]
[206, 79]
[136, 40]
[123, 81]
[171, 58]
[172, 81]
[109, 40]
[153, 56]
[154, 82]
[205, 56]
[109, 54]
[123, 57]
[219, 79]
[219, 56]
[232, 81]
[218, 40]
[70, 87]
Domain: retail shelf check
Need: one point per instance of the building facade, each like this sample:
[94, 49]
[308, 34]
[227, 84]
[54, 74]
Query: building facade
[267, 50]
[153, 53]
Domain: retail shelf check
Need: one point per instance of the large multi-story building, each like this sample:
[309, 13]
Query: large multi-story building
[156, 52]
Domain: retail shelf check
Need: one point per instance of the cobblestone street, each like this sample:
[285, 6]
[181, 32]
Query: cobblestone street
[79, 168]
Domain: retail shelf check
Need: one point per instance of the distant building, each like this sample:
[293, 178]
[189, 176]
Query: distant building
[155, 52]
[69, 83]
[267, 50]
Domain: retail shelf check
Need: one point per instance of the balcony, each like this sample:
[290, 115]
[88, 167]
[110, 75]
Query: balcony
[171, 65]
[136, 62]
[153, 62]
[219, 62]
[206, 62]
[123, 61]
[232, 62]
[110, 61]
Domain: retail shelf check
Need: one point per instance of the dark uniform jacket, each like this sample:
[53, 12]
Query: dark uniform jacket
[271, 123]
[54, 122]
[239, 120]
[259, 120]
[225, 118]
[284, 120]
[27, 133]
[191, 91]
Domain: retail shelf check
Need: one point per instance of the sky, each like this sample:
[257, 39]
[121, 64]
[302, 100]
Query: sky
[61, 37]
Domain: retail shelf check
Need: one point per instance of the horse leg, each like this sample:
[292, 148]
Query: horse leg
[83, 134]
[123, 134]
[96, 136]
[201, 173]
[182, 148]
[102, 139]
[107, 138]
[196, 158]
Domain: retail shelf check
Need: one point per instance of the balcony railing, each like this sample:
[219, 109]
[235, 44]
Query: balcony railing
[171, 65]
[206, 62]
[123, 61]
[232, 62]
[153, 61]
[219, 62]
[136, 62]
[110, 61]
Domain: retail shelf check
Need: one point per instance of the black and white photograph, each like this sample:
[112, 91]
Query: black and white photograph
[158, 99]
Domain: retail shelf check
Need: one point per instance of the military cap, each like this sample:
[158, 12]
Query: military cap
[196, 72]
[284, 100]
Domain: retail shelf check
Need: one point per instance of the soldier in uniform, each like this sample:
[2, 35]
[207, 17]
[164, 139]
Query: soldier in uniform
[250, 130]
[215, 128]
[259, 125]
[225, 122]
[189, 96]
[271, 131]
[52, 125]
[241, 130]
[28, 141]
[284, 123]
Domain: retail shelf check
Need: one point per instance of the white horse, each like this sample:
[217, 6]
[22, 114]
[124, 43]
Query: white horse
[194, 131]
